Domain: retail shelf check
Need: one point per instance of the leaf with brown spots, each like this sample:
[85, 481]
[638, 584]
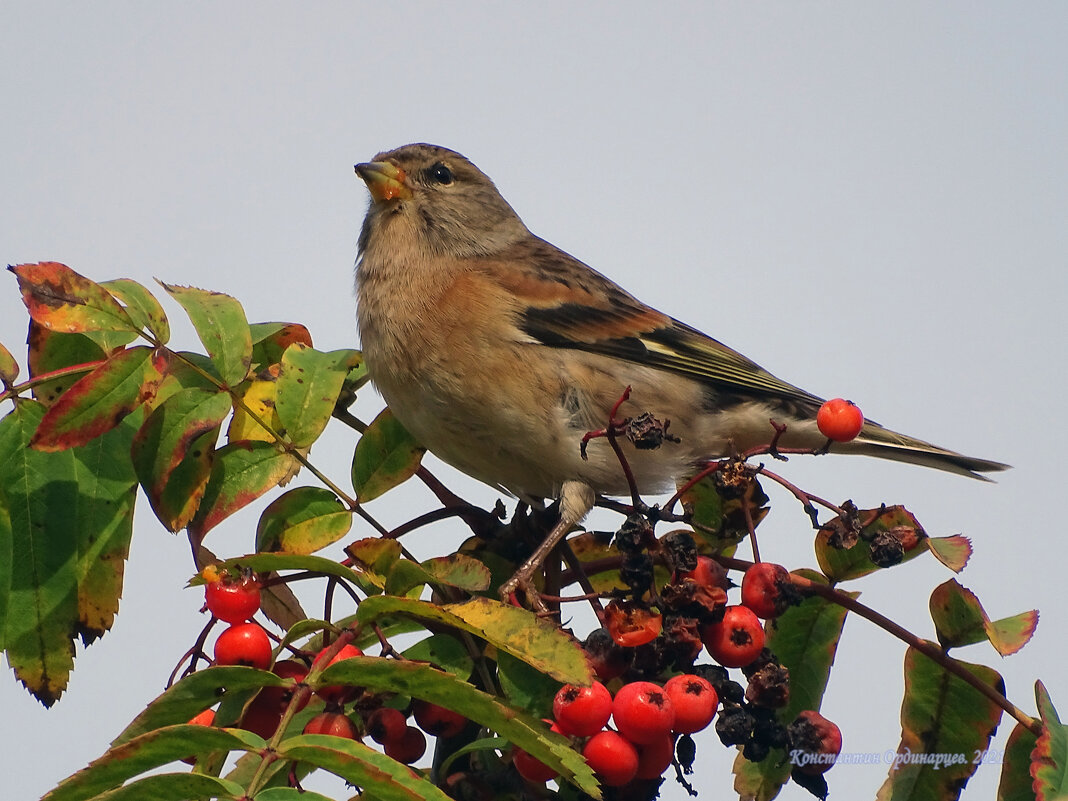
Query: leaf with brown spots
[60, 299]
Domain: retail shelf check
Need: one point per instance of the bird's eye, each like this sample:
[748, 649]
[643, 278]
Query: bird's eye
[440, 174]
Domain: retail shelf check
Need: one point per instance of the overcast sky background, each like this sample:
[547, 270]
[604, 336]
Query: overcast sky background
[868, 199]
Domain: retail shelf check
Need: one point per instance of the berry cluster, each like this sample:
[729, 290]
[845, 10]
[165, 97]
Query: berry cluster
[648, 718]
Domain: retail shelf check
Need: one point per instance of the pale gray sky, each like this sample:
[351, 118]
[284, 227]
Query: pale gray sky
[869, 199]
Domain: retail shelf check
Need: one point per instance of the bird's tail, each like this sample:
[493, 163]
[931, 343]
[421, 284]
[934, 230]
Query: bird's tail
[874, 440]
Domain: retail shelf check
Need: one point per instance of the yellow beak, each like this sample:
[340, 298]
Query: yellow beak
[385, 181]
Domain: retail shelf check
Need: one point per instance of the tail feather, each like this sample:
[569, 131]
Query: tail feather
[874, 440]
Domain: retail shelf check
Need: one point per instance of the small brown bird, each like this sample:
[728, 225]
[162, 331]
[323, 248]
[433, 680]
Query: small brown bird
[499, 351]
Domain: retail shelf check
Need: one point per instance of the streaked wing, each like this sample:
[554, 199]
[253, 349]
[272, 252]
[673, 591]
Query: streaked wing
[565, 304]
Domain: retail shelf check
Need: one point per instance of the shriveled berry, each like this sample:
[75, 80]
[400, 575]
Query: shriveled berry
[818, 741]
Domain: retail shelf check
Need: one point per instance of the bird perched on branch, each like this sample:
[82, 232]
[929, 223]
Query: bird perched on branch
[499, 351]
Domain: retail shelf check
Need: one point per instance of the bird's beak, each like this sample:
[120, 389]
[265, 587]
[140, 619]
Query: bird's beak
[385, 181]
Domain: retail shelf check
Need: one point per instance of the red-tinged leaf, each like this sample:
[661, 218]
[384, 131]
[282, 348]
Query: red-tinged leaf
[1015, 784]
[954, 552]
[958, 616]
[386, 456]
[148, 752]
[270, 340]
[173, 452]
[719, 520]
[221, 325]
[142, 306]
[1009, 634]
[945, 722]
[805, 640]
[9, 368]
[302, 521]
[241, 473]
[99, 401]
[257, 404]
[63, 300]
[308, 388]
[72, 354]
[1049, 760]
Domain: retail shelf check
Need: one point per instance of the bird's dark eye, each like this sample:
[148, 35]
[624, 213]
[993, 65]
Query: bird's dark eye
[440, 174]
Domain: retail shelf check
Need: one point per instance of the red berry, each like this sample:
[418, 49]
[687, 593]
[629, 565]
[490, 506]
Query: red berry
[332, 723]
[817, 740]
[287, 669]
[737, 640]
[205, 718]
[695, 701]
[655, 757]
[386, 724]
[643, 712]
[840, 420]
[530, 768]
[612, 757]
[437, 720]
[762, 589]
[244, 644]
[261, 718]
[582, 711]
[410, 746]
[232, 599]
[335, 693]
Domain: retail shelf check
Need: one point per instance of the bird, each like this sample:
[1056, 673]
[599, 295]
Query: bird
[499, 352]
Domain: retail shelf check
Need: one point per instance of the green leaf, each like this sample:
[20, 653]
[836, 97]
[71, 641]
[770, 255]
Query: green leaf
[1049, 760]
[145, 753]
[241, 473]
[421, 681]
[386, 455]
[302, 521]
[444, 652]
[176, 787]
[70, 521]
[308, 387]
[374, 558]
[221, 325]
[958, 616]
[1015, 784]
[458, 570]
[9, 368]
[192, 695]
[173, 452]
[289, 794]
[515, 631]
[63, 300]
[100, 400]
[142, 306]
[7, 537]
[525, 686]
[384, 778]
[944, 723]
[805, 639]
